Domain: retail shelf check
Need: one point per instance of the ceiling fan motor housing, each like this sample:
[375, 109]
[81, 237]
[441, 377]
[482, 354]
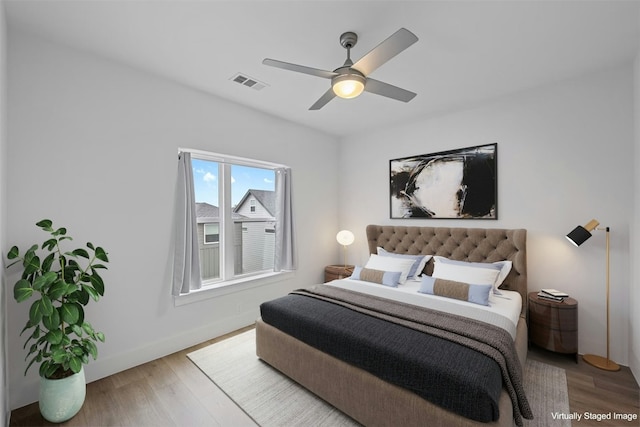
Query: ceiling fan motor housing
[348, 39]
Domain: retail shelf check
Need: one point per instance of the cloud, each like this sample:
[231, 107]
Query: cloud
[208, 177]
[268, 181]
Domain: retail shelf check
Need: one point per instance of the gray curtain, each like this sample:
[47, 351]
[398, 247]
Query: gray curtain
[186, 261]
[285, 250]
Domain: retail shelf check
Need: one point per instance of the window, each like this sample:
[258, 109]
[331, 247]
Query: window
[235, 201]
[211, 233]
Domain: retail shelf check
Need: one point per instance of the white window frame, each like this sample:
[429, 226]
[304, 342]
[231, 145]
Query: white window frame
[230, 284]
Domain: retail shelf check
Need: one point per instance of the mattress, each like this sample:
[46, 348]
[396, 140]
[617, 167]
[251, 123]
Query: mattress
[503, 310]
[440, 370]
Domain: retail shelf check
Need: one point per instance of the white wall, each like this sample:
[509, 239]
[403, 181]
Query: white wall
[634, 301]
[4, 392]
[564, 157]
[93, 146]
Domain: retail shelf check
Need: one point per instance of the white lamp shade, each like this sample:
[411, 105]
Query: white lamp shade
[345, 237]
[348, 85]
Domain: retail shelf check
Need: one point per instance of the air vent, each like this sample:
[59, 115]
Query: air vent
[245, 80]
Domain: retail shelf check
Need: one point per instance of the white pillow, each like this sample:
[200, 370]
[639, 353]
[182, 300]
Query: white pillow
[479, 273]
[505, 268]
[419, 261]
[384, 263]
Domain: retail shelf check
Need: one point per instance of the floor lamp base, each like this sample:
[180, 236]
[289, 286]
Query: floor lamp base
[601, 362]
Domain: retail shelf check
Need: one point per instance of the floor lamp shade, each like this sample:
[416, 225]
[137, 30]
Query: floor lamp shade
[578, 236]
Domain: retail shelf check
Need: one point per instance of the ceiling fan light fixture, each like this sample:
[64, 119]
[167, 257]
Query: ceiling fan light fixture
[348, 85]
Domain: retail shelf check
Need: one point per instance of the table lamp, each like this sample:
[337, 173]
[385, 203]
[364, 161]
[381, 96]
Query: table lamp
[345, 238]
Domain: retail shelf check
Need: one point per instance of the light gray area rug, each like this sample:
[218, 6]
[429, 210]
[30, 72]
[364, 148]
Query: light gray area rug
[272, 399]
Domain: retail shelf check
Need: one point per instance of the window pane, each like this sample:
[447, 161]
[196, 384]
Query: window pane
[205, 182]
[254, 201]
[211, 233]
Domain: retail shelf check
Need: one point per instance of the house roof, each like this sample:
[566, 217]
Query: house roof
[210, 213]
[266, 198]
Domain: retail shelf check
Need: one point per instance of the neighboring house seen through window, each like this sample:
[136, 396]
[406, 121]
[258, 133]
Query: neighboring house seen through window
[239, 206]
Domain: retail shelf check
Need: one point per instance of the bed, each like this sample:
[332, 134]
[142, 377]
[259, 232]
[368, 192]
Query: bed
[322, 361]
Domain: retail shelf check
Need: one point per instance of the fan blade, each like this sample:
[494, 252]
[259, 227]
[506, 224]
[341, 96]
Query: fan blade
[396, 43]
[390, 91]
[299, 68]
[324, 99]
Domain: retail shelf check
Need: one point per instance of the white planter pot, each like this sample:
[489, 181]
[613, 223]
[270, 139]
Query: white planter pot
[61, 399]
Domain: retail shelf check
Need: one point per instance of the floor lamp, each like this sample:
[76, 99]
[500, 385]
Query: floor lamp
[578, 236]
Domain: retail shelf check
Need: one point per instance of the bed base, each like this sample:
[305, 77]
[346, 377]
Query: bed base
[361, 395]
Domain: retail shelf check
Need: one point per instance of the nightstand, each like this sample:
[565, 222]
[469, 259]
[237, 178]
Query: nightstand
[333, 272]
[554, 325]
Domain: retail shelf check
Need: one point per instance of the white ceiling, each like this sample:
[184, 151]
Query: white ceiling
[468, 52]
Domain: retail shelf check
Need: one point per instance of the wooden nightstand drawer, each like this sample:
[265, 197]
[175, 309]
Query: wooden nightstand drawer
[334, 272]
[554, 325]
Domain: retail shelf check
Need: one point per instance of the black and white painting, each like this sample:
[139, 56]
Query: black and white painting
[460, 183]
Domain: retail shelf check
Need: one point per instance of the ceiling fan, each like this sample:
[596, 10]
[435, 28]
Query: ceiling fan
[351, 79]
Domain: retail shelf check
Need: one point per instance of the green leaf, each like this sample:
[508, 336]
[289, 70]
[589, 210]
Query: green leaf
[44, 280]
[48, 262]
[57, 290]
[28, 325]
[35, 335]
[49, 369]
[70, 313]
[88, 328]
[36, 312]
[60, 232]
[90, 246]
[97, 282]
[101, 254]
[81, 252]
[75, 364]
[22, 290]
[52, 321]
[92, 292]
[33, 359]
[54, 336]
[77, 329]
[100, 336]
[32, 265]
[47, 306]
[59, 355]
[49, 244]
[80, 296]
[45, 224]
[14, 253]
[92, 349]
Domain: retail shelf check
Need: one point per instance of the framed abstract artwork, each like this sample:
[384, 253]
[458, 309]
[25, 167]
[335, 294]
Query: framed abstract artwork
[456, 184]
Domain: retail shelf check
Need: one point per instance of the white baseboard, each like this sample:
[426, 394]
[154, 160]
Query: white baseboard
[27, 393]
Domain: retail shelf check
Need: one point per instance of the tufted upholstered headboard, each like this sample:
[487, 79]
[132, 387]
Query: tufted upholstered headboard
[462, 244]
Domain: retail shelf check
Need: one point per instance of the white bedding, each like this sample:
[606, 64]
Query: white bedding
[502, 311]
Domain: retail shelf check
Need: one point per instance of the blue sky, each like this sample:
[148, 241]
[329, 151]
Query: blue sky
[206, 179]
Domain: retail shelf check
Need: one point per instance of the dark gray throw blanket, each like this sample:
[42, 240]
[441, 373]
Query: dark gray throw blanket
[489, 340]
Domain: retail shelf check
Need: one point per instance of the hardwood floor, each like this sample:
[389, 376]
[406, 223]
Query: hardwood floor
[595, 392]
[172, 391]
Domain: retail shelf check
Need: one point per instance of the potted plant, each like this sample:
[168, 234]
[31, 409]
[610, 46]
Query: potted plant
[60, 340]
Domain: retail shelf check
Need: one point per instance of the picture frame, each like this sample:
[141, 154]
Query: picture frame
[454, 184]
